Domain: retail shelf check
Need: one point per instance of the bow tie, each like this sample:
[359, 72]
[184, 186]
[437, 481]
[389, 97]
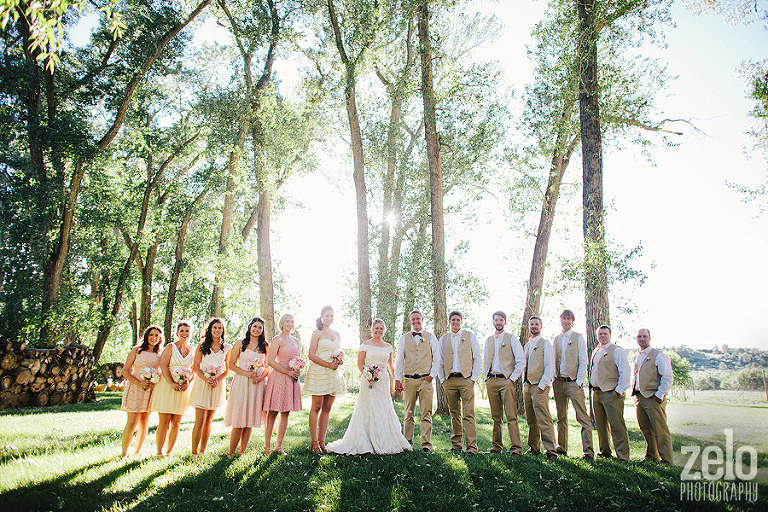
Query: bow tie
[498, 335]
[414, 334]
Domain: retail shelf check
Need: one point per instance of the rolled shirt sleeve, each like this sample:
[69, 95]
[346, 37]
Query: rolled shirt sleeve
[664, 366]
[549, 366]
[436, 356]
[581, 373]
[625, 373]
[476, 360]
[517, 350]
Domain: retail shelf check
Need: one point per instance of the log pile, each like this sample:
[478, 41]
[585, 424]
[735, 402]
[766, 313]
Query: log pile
[32, 377]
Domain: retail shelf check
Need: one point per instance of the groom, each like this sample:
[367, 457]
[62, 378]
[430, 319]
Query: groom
[416, 364]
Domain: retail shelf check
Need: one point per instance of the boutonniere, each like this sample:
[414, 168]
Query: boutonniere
[570, 342]
[503, 343]
[536, 347]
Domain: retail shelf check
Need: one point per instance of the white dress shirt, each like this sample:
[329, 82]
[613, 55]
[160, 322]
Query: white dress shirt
[622, 363]
[581, 373]
[455, 339]
[663, 364]
[495, 365]
[400, 357]
[549, 361]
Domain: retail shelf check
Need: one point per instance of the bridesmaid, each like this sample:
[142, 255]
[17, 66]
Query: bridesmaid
[171, 398]
[208, 390]
[246, 393]
[137, 395]
[324, 380]
[283, 393]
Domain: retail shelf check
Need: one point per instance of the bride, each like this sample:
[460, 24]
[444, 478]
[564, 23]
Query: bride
[374, 426]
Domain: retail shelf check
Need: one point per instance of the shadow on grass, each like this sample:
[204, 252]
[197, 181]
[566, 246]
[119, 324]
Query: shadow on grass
[104, 402]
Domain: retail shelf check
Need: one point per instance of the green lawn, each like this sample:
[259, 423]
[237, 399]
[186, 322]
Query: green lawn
[66, 458]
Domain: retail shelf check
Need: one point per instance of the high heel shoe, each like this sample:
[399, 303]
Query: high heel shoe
[322, 448]
[314, 447]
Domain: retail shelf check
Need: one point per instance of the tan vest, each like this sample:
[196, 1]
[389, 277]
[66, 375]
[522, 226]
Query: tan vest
[465, 354]
[417, 359]
[506, 354]
[571, 355]
[608, 372]
[647, 376]
[535, 362]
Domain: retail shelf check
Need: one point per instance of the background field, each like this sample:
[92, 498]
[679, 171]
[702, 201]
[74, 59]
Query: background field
[66, 458]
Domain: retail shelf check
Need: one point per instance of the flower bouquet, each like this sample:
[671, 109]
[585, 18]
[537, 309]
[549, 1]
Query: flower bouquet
[181, 375]
[256, 364]
[212, 370]
[296, 363]
[371, 372]
[337, 355]
[150, 375]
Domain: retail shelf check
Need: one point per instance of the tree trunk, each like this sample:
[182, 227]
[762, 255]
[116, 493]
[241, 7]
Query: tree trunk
[133, 318]
[179, 260]
[264, 251]
[435, 186]
[147, 272]
[595, 266]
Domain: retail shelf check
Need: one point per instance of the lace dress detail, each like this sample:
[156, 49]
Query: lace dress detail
[374, 426]
[165, 398]
[245, 397]
[282, 393]
[321, 380]
[135, 398]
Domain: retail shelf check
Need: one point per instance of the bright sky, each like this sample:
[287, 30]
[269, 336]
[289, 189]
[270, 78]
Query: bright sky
[704, 248]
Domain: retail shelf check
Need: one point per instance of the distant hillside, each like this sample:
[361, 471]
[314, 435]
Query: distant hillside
[723, 358]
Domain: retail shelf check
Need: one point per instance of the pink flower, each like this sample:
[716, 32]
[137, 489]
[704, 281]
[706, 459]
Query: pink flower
[337, 355]
[296, 363]
[212, 370]
[371, 372]
[150, 375]
[181, 375]
[256, 363]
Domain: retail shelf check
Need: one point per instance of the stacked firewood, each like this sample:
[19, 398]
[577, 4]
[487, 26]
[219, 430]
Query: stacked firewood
[32, 377]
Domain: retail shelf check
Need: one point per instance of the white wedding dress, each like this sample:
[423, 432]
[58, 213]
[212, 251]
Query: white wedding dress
[374, 426]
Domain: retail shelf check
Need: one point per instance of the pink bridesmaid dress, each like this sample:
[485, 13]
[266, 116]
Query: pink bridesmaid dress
[282, 393]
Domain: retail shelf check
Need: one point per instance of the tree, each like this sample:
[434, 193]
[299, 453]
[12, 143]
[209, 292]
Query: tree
[681, 368]
[352, 39]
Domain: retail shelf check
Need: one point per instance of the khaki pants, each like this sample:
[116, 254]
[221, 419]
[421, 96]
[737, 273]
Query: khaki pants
[609, 420]
[421, 390]
[540, 427]
[564, 390]
[501, 398]
[460, 394]
[652, 419]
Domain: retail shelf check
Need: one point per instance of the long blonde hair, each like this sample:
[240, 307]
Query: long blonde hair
[282, 320]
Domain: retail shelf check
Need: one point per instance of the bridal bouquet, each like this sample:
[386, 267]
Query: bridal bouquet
[181, 375]
[212, 370]
[255, 364]
[150, 375]
[337, 355]
[371, 372]
[296, 363]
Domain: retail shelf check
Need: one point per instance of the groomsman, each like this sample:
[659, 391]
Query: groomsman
[458, 368]
[651, 381]
[609, 379]
[416, 366]
[503, 364]
[539, 371]
[571, 363]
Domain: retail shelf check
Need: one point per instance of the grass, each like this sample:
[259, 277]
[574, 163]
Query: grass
[66, 458]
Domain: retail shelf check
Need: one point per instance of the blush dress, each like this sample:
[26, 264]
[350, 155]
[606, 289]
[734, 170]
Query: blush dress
[374, 426]
[321, 380]
[135, 398]
[204, 396]
[166, 399]
[282, 393]
[245, 398]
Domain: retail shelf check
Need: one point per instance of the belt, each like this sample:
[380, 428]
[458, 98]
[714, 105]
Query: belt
[416, 376]
[456, 374]
[565, 379]
[497, 375]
